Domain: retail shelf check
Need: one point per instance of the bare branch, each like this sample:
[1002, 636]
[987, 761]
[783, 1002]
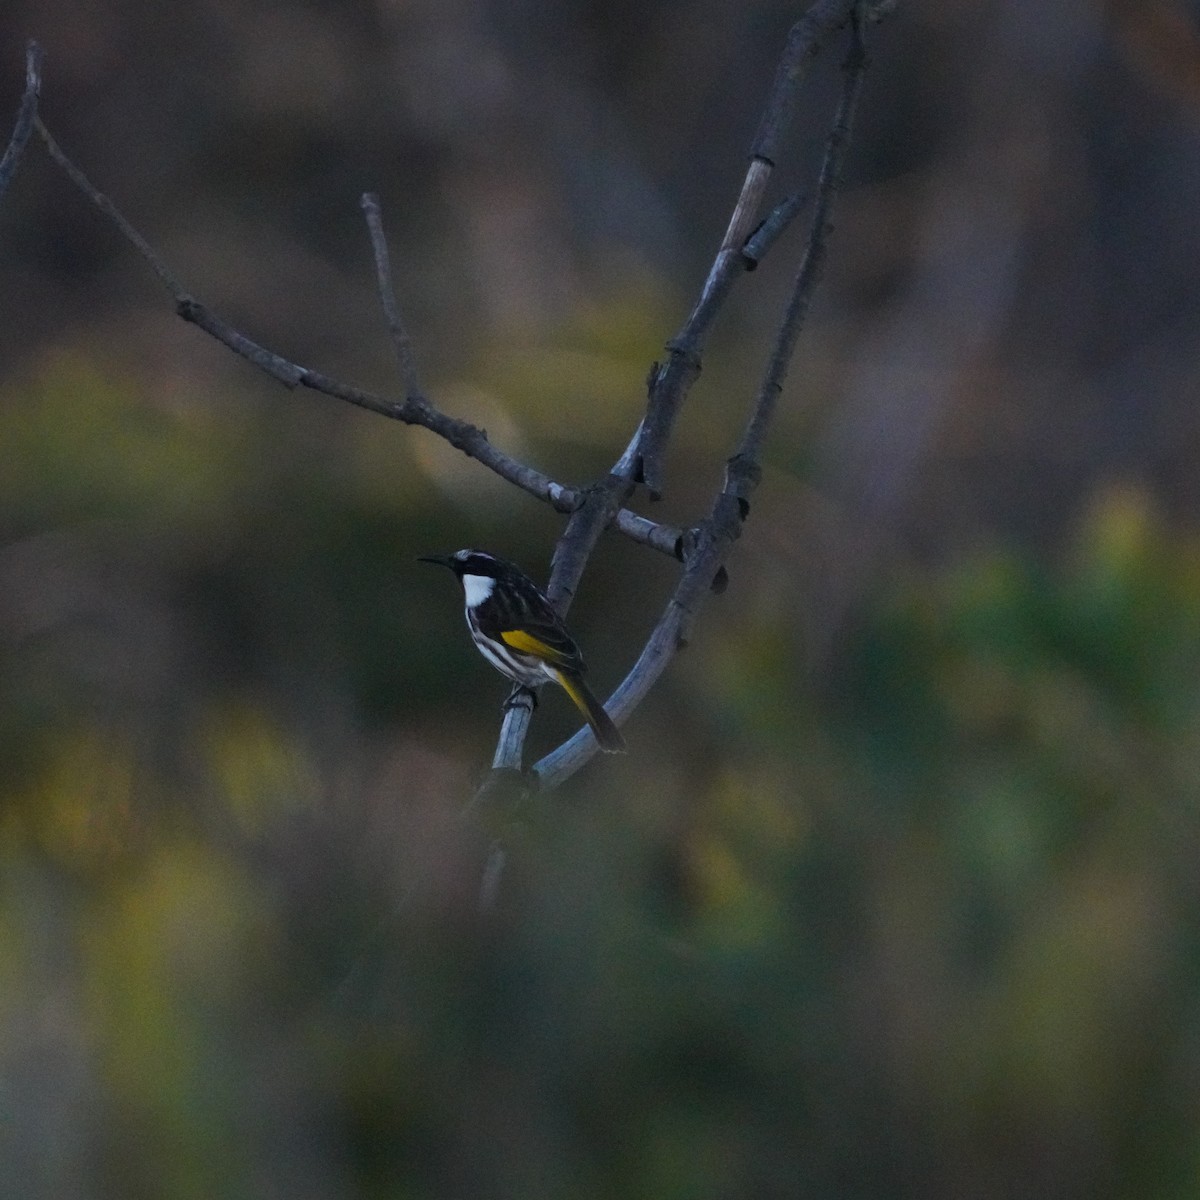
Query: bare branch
[664, 642]
[600, 504]
[510, 746]
[26, 115]
[716, 535]
[106, 206]
[287, 373]
[670, 383]
[414, 409]
[387, 297]
[670, 387]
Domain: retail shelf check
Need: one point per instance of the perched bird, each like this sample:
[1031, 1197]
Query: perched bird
[522, 636]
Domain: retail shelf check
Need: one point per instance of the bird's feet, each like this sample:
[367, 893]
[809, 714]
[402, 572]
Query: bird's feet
[515, 697]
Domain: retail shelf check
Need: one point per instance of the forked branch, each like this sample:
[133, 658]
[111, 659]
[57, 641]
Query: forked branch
[731, 506]
[742, 248]
[672, 382]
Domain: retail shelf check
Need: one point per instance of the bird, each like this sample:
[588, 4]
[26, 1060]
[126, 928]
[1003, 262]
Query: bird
[517, 630]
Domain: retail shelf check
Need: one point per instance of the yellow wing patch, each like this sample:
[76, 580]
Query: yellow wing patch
[526, 643]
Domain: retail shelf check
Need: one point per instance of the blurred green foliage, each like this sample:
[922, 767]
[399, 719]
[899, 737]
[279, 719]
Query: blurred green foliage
[924, 925]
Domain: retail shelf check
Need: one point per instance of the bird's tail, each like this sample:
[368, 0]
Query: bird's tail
[607, 734]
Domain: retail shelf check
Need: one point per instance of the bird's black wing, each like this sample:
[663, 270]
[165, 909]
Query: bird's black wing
[519, 615]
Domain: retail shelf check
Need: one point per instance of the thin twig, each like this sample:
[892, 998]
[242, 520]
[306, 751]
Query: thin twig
[671, 381]
[186, 305]
[730, 508]
[26, 115]
[110, 210]
[387, 297]
[661, 537]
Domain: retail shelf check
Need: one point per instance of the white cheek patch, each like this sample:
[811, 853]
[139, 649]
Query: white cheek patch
[477, 588]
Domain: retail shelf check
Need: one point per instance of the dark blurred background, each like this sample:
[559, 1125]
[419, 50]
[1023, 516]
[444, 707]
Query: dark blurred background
[898, 890]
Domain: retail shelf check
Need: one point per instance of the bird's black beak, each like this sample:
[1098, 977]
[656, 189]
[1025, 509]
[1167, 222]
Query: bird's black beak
[442, 560]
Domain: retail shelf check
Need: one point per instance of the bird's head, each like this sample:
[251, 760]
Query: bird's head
[476, 571]
[469, 562]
